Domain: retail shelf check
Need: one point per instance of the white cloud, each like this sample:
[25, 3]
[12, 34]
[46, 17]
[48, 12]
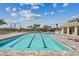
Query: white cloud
[54, 5]
[25, 13]
[8, 9]
[33, 5]
[46, 13]
[65, 4]
[13, 14]
[14, 9]
[52, 13]
[60, 11]
[21, 4]
[28, 15]
[36, 5]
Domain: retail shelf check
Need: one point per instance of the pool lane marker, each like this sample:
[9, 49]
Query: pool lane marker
[43, 41]
[31, 41]
[18, 41]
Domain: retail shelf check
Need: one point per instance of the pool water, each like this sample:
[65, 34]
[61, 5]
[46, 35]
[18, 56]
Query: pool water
[32, 42]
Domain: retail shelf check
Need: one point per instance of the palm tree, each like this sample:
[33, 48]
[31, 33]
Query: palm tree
[36, 26]
[30, 27]
[2, 22]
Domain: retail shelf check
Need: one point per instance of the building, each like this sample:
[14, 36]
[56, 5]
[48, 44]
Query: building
[71, 27]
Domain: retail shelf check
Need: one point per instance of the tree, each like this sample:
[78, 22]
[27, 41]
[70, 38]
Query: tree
[36, 26]
[29, 27]
[2, 22]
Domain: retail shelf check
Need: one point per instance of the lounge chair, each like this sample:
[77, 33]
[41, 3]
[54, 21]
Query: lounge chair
[73, 37]
[77, 39]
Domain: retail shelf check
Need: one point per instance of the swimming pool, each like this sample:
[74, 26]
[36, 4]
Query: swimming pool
[32, 42]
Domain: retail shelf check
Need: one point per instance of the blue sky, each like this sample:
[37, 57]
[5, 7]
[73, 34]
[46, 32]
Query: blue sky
[39, 13]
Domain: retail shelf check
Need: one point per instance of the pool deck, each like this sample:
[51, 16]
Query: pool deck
[71, 43]
[10, 35]
[74, 45]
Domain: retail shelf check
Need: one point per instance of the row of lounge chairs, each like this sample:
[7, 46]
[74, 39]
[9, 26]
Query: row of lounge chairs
[73, 37]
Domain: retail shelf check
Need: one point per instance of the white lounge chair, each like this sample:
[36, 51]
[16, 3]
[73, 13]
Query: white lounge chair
[73, 37]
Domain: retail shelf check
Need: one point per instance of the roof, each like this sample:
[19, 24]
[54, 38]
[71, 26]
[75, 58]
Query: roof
[74, 21]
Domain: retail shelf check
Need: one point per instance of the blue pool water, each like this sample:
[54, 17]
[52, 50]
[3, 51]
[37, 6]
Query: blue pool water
[32, 42]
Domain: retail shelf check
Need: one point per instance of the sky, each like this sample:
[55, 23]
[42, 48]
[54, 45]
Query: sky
[26, 14]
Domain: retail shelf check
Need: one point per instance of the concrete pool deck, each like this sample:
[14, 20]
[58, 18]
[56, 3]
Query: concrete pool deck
[10, 35]
[64, 39]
